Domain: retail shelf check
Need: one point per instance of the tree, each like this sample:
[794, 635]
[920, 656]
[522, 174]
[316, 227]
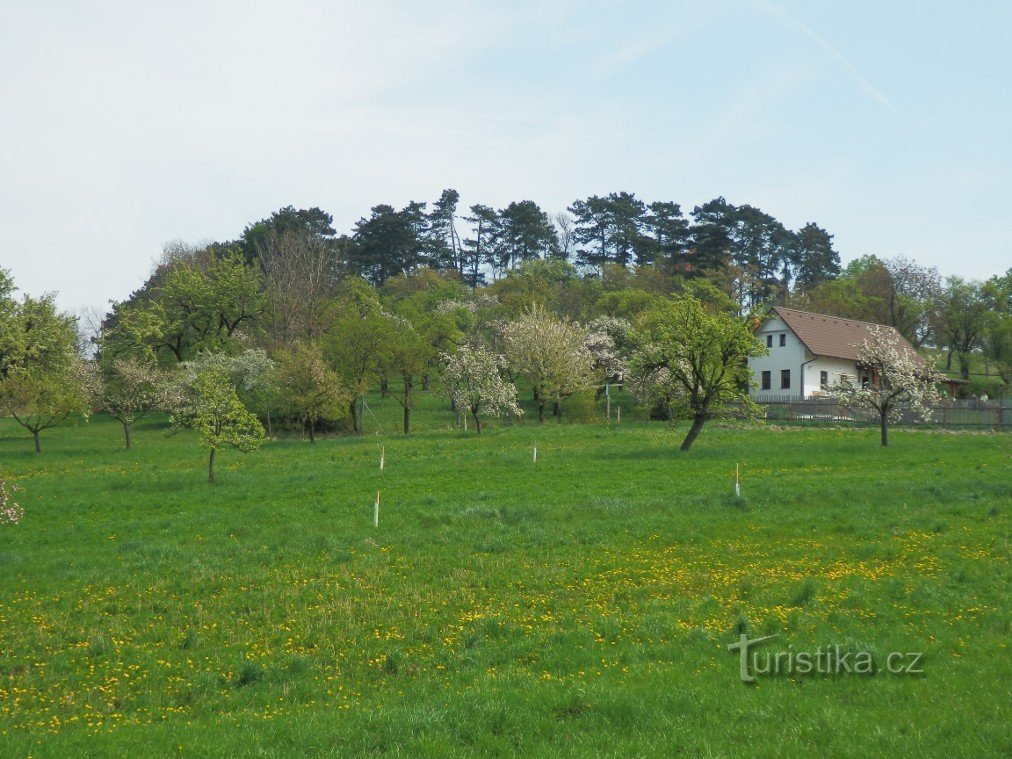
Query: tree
[309, 388]
[42, 380]
[670, 233]
[696, 359]
[962, 320]
[607, 338]
[478, 250]
[41, 398]
[997, 337]
[131, 388]
[615, 224]
[815, 259]
[406, 352]
[550, 354]
[474, 382]
[902, 294]
[713, 224]
[389, 242]
[444, 243]
[196, 305]
[522, 232]
[897, 377]
[355, 342]
[300, 274]
[210, 404]
[306, 223]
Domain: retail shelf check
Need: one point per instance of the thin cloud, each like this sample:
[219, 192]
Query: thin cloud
[781, 15]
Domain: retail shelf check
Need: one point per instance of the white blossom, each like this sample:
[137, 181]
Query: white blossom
[898, 380]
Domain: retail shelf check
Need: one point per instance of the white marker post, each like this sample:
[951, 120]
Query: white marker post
[376, 511]
[737, 482]
[607, 396]
[618, 417]
[383, 455]
[535, 451]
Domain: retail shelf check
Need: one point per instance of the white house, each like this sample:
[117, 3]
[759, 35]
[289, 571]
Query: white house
[807, 353]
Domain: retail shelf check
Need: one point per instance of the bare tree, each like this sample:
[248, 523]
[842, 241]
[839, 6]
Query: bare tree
[564, 231]
[300, 272]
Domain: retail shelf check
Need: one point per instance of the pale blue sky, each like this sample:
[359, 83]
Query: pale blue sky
[124, 125]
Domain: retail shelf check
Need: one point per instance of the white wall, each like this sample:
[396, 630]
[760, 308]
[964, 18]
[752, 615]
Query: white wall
[789, 356]
[836, 368]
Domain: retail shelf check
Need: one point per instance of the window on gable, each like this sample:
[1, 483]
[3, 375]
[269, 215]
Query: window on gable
[766, 381]
[785, 379]
[769, 341]
[783, 340]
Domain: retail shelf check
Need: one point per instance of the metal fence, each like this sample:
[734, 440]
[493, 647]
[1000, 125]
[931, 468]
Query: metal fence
[956, 413]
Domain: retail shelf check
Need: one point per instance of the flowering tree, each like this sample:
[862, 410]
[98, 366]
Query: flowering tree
[696, 361]
[209, 403]
[474, 382]
[309, 388]
[898, 379]
[550, 354]
[10, 512]
[130, 389]
[606, 339]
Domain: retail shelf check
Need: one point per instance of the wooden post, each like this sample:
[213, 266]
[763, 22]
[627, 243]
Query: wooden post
[618, 418]
[383, 455]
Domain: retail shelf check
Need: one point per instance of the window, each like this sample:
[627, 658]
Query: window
[766, 381]
[823, 379]
[783, 340]
[785, 379]
[769, 341]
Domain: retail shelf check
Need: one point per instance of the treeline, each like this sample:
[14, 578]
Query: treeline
[291, 322]
[753, 256]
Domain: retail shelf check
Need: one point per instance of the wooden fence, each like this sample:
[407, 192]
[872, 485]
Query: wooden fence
[957, 413]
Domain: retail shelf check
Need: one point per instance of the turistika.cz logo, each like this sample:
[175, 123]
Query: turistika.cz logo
[825, 660]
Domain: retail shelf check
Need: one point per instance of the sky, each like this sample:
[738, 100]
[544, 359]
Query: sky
[126, 125]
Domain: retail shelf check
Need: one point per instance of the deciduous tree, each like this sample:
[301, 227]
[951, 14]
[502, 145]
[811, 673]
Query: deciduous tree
[898, 379]
[473, 380]
[697, 360]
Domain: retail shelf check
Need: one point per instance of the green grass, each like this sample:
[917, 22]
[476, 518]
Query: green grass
[580, 605]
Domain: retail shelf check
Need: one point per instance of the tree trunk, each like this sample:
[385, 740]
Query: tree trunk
[210, 467]
[541, 412]
[425, 382]
[697, 424]
[383, 387]
[354, 416]
[312, 431]
[885, 430]
[126, 434]
[35, 434]
[408, 387]
[270, 429]
[557, 411]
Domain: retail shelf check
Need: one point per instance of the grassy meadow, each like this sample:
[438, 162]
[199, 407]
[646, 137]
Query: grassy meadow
[579, 605]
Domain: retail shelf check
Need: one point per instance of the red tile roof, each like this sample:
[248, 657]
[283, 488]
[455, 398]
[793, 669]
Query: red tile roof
[831, 336]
